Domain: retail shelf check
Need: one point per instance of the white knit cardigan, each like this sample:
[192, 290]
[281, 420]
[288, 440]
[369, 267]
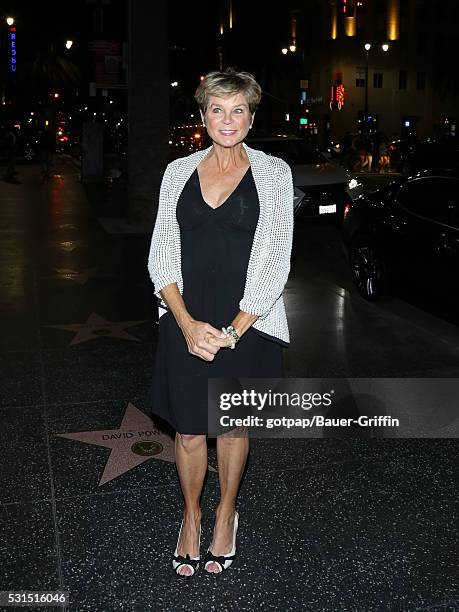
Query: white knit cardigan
[269, 261]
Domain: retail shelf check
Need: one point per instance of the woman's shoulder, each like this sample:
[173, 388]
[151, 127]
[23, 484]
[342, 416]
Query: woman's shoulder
[273, 163]
[185, 160]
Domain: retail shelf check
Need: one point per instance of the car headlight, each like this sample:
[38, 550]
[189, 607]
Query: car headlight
[353, 184]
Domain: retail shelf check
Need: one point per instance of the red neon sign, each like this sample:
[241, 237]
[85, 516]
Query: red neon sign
[337, 97]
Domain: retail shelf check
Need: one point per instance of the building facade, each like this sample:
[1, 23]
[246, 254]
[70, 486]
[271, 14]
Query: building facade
[384, 65]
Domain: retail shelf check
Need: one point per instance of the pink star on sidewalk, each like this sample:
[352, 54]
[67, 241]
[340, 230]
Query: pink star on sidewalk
[96, 326]
[66, 274]
[137, 440]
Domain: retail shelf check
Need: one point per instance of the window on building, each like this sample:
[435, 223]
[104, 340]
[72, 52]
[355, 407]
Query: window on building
[403, 79]
[360, 76]
[377, 80]
[421, 44]
[438, 46]
[421, 80]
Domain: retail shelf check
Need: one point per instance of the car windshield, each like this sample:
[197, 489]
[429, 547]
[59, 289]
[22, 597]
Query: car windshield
[294, 152]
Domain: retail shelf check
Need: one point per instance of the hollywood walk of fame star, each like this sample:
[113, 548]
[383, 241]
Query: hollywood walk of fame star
[70, 226]
[137, 440]
[73, 275]
[96, 326]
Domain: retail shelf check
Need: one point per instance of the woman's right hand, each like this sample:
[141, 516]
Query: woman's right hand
[196, 335]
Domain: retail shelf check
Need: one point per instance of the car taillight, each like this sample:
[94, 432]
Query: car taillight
[347, 208]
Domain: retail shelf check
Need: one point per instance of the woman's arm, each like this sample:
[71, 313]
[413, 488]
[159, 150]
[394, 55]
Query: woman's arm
[241, 323]
[272, 272]
[273, 276]
[161, 265]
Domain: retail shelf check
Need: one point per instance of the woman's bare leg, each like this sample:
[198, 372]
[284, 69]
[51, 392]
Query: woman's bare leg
[232, 452]
[191, 461]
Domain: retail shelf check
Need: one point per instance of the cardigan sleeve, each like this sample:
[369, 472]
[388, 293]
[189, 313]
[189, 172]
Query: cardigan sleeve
[273, 270]
[161, 255]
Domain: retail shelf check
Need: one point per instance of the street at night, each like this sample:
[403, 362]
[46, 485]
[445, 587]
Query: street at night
[332, 516]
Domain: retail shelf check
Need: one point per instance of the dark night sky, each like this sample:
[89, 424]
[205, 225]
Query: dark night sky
[192, 25]
[254, 44]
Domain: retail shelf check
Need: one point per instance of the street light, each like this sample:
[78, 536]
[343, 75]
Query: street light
[384, 47]
[10, 21]
[291, 48]
[68, 44]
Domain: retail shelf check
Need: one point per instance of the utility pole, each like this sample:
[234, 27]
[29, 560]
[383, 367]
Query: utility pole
[148, 106]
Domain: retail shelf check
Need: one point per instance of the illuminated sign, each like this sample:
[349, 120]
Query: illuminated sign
[317, 100]
[12, 46]
[337, 97]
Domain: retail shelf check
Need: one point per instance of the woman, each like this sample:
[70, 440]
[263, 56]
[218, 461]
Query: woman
[219, 260]
[360, 146]
[384, 159]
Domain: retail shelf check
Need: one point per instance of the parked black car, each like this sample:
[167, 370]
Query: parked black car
[322, 188]
[409, 157]
[406, 234]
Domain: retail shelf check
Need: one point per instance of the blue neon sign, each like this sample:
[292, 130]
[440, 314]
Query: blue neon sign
[13, 60]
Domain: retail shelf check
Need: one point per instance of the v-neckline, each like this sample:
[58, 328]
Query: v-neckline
[230, 195]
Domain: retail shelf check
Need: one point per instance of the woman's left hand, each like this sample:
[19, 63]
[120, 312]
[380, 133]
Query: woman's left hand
[220, 342]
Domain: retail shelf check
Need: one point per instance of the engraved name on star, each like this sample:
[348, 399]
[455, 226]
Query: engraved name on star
[135, 441]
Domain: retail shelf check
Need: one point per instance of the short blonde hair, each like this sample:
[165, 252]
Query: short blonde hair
[230, 82]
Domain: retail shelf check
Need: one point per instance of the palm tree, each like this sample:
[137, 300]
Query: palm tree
[49, 71]
[148, 107]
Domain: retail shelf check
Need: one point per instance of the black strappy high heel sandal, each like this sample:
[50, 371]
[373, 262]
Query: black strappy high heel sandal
[178, 560]
[224, 561]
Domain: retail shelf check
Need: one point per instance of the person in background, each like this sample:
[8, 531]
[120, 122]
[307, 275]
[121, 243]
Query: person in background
[384, 160]
[9, 141]
[347, 151]
[360, 145]
[369, 149]
[46, 150]
[375, 150]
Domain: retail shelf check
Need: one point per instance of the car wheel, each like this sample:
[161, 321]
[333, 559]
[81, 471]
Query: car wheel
[368, 269]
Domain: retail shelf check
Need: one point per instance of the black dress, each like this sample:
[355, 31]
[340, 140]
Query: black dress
[215, 250]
